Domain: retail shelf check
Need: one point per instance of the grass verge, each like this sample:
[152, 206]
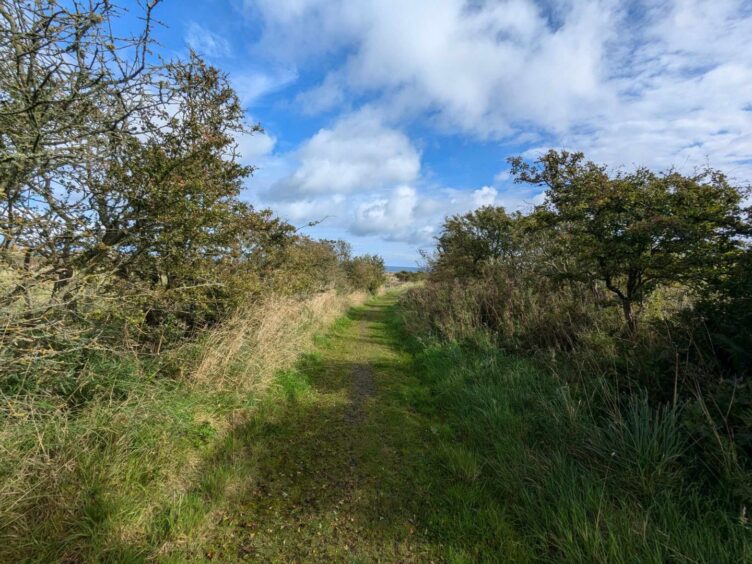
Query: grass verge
[373, 446]
[534, 470]
[103, 465]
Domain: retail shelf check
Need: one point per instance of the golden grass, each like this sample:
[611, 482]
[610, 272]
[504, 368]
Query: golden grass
[261, 339]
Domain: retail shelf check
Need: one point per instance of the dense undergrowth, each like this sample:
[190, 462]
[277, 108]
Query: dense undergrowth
[538, 468]
[142, 299]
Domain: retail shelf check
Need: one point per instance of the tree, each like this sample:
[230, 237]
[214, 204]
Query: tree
[366, 272]
[70, 91]
[166, 211]
[470, 241]
[636, 231]
[119, 175]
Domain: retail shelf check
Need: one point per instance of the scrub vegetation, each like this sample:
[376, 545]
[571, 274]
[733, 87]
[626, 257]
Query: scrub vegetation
[593, 358]
[143, 303]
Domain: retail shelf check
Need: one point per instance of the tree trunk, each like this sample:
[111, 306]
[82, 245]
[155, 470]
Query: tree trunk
[629, 315]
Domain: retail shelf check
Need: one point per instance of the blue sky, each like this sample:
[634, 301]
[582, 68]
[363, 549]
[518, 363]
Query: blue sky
[383, 116]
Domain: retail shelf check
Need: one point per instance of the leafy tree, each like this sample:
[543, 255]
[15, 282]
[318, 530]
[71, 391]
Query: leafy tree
[112, 165]
[69, 89]
[366, 272]
[470, 241]
[120, 178]
[309, 265]
[167, 210]
[120, 209]
[636, 231]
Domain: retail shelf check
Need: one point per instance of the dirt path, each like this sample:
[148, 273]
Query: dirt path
[333, 466]
[363, 385]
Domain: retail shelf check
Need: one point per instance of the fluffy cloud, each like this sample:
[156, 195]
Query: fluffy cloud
[479, 66]
[328, 95]
[663, 84]
[206, 42]
[254, 148]
[651, 82]
[414, 216]
[359, 153]
[254, 85]
[392, 215]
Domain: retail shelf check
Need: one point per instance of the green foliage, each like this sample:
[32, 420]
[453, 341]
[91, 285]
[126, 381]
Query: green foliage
[124, 243]
[643, 425]
[538, 469]
[121, 222]
[410, 276]
[637, 231]
[366, 272]
[726, 308]
[174, 225]
[470, 242]
[642, 446]
[310, 266]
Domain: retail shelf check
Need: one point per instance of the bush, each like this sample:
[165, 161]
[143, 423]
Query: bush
[366, 272]
[410, 276]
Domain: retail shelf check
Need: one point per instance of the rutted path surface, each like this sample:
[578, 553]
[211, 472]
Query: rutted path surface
[363, 385]
[333, 467]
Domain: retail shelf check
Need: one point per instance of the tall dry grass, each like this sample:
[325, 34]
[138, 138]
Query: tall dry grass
[260, 339]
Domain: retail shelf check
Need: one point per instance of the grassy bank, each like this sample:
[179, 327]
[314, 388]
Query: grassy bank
[103, 464]
[535, 469]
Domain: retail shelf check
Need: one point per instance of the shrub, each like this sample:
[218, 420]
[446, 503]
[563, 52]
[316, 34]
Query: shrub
[410, 276]
[366, 272]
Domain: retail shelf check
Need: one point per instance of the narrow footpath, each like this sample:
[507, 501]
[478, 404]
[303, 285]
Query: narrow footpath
[335, 466]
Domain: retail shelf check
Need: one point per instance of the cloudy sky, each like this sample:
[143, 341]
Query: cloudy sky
[383, 116]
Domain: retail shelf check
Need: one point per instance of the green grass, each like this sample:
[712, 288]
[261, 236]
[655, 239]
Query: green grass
[376, 446]
[150, 468]
[308, 478]
[535, 473]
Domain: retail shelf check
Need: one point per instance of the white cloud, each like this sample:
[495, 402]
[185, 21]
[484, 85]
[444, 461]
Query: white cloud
[254, 147]
[485, 196]
[415, 216]
[325, 208]
[479, 66]
[206, 42]
[359, 153]
[392, 215]
[301, 30]
[359, 176]
[661, 84]
[251, 86]
[327, 96]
